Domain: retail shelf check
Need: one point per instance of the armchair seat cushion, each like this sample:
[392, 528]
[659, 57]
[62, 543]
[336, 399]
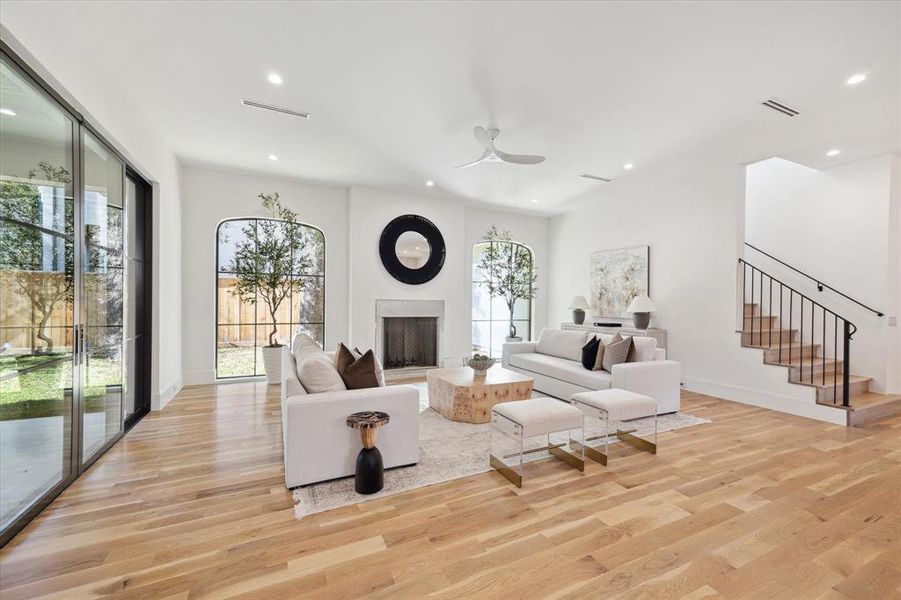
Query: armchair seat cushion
[562, 369]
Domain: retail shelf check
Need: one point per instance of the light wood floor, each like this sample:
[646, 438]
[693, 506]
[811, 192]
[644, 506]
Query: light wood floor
[758, 504]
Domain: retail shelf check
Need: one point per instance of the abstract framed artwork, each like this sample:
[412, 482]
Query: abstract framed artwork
[617, 276]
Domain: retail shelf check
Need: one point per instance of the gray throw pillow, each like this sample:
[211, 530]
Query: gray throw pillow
[616, 352]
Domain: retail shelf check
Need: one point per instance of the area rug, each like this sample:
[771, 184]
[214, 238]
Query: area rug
[447, 450]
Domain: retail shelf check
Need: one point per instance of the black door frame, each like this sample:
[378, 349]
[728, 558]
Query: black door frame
[144, 297]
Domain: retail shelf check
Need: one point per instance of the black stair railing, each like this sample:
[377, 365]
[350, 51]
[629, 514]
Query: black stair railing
[774, 301]
[820, 285]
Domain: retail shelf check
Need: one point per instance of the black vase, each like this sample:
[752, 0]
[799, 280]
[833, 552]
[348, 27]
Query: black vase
[370, 473]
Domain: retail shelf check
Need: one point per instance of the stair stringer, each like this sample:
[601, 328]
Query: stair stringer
[759, 384]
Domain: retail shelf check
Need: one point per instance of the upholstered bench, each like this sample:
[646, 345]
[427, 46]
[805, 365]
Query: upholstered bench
[514, 424]
[604, 408]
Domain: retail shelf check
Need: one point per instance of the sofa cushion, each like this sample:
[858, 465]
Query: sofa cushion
[617, 351]
[562, 343]
[560, 368]
[302, 346]
[317, 373]
[643, 349]
[590, 353]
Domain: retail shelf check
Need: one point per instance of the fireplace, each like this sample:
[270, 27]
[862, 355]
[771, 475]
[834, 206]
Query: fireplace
[410, 342]
[409, 335]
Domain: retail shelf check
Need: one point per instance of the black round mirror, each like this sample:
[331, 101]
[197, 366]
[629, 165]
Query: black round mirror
[412, 249]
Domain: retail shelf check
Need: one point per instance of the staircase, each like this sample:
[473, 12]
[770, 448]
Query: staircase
[811, 342]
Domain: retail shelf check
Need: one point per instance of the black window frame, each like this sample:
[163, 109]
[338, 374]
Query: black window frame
[256, 323]
[490, 320]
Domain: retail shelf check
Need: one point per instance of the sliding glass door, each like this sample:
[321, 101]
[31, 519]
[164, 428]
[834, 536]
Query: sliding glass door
[37, 295]
[102, 225]
[74, 319]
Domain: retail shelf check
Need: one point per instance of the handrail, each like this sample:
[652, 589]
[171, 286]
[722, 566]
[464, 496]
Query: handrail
[820, 284]
[794, 291]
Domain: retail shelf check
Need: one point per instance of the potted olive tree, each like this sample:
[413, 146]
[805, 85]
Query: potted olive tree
[271, 252]
[508, 268]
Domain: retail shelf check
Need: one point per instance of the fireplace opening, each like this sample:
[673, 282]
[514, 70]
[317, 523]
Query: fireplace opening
[410, 342]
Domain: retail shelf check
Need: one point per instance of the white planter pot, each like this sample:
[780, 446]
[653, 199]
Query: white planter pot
[272, 361]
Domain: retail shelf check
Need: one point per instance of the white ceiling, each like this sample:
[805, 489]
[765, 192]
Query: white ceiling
[396, 88]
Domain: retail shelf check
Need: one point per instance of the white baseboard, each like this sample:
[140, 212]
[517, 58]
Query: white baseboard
[793, 406]
[200, 377]
[159, 401]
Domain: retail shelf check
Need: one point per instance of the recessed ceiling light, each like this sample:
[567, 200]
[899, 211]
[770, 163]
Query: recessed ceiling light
[534, 200]
[857, 78]
[834, 152]
[429, 183]
[275, 79]
[273, 157]
[628, 166]
[8, 112]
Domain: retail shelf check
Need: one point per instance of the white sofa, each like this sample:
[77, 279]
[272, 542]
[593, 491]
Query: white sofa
[555, 363]
[320, 446]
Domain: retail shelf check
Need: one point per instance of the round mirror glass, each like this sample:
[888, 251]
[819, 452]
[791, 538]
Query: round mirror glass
[412, 250]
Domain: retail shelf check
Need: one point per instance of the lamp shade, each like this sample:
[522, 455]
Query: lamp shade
[641, 304]
[578, 302]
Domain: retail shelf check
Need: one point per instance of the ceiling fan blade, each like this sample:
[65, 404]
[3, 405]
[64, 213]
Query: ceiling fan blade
[520, 159]
[479, 160]
[482, 136]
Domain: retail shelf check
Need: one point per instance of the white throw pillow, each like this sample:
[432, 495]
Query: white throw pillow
[562, 343]
[318, 374]
[643, 349]
[303, 346]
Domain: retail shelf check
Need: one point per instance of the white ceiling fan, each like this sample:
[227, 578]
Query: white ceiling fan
[486, 137]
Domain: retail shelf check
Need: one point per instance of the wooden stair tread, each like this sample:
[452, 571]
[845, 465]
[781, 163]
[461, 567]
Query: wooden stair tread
[818, 362]
[872, 399]
[852, 379]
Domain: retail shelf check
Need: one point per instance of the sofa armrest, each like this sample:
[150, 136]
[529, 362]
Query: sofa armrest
[659, 379]
[511, 348]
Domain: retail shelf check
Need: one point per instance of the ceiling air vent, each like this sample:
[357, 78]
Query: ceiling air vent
[781, 107]
[279, 109]
[597, 177]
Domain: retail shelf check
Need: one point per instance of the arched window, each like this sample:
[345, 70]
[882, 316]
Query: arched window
[491, 317]
[242, 328]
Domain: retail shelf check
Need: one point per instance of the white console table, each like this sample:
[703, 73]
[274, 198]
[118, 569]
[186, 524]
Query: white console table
[657, 334]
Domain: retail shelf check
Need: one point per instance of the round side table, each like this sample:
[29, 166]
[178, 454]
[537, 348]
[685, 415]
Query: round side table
[370, 474]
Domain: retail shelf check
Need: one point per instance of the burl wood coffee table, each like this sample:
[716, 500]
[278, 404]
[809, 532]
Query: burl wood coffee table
[461, 396]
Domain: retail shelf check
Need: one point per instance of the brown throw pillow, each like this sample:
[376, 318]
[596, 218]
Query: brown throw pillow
[357, 373]
[343, 359]
[616, 352]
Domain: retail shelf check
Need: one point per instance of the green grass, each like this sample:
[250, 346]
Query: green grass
[237, 361]
[46, 391]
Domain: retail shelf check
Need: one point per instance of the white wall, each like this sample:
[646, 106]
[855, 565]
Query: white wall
[212, 195]
[353, 220]
[692, 222]
[893, 353]
[835, 225]
[114, 116]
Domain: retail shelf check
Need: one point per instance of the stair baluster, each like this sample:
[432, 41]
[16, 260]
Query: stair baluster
[762, 288]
